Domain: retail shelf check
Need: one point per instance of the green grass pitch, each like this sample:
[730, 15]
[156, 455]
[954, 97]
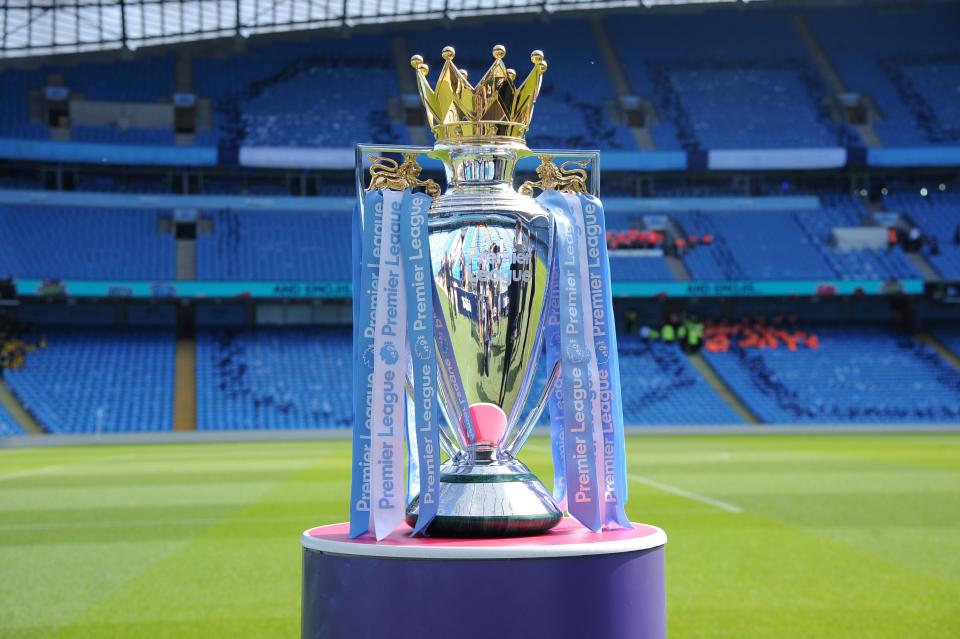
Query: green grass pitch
[770, 536]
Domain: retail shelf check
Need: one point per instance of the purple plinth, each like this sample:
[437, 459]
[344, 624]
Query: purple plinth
[566, 584]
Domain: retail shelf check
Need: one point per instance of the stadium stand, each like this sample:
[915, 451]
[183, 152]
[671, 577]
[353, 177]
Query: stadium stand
[270, 245]
[755, 74]
[905, 60]
[99, 380]
[302, 94]
[938, 216]
[858, 374]
[8, 425]
[146, 79]
[274, 378]
[775, 244]
[717, 81]
[661, 387]
[751, 244]
[867, 264]
[84, 243]
[307, 245]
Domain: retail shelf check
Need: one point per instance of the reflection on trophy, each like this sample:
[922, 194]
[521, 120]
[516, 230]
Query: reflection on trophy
[491, 251]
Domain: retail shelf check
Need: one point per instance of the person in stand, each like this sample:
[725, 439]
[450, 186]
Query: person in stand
[631, 322]
[694, 334]
[668, 333]
[914, 239]
[893, 237]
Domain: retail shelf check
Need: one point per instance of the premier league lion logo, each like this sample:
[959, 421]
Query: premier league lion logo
[367, 357]
[421, 349]
[575, 353]
[389, 354]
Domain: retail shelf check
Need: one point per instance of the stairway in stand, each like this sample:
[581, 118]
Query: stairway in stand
[721, 388]
[9, 401]
[185, 385]
[937, 345]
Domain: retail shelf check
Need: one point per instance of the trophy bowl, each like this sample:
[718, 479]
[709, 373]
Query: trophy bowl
[491, 253]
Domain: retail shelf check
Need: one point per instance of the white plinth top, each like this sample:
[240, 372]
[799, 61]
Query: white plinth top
[568, 539]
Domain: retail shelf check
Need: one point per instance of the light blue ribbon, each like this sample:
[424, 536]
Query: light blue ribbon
[366, 273]
[583, 486]
[608, 361]
[418, 273]
[581, 221]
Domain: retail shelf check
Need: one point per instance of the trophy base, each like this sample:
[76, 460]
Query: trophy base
[485, 588]
[499, 499]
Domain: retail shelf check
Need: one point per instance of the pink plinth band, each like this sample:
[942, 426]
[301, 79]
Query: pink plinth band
[569, 538]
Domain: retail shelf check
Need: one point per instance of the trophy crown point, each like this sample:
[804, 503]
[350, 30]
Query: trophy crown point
[498, 107]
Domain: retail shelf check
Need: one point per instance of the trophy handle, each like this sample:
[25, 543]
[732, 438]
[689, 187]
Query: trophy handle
[363, 152]
[524, 431]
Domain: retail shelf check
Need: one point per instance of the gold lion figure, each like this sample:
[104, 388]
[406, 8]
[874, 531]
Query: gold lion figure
[558, 178]
[387, 173]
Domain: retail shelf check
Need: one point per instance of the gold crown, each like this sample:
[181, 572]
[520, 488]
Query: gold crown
[495, 108]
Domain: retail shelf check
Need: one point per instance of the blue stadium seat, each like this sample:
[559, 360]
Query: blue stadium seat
[274, 378]
[719, 81]
[751, 245]
[8, 425]
[837, 211]
[905, 60]
[99, 380]
[949, 336]
[275, 245]
[660, 386]
[84, 243]
[15, 86]
[624, 268]
[147, 79]
[113, 135]
[329, 92]
[937, 215]
[857, 375]
[781, 244]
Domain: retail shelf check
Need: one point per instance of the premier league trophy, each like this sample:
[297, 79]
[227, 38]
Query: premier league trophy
[458, 294]
[491, 268]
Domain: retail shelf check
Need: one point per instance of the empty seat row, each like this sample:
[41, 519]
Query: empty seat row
[99, 380]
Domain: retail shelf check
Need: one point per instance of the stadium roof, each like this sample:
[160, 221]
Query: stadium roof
[41, 27]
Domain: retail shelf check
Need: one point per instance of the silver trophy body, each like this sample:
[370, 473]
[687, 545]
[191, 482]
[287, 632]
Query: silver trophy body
[492, 252]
